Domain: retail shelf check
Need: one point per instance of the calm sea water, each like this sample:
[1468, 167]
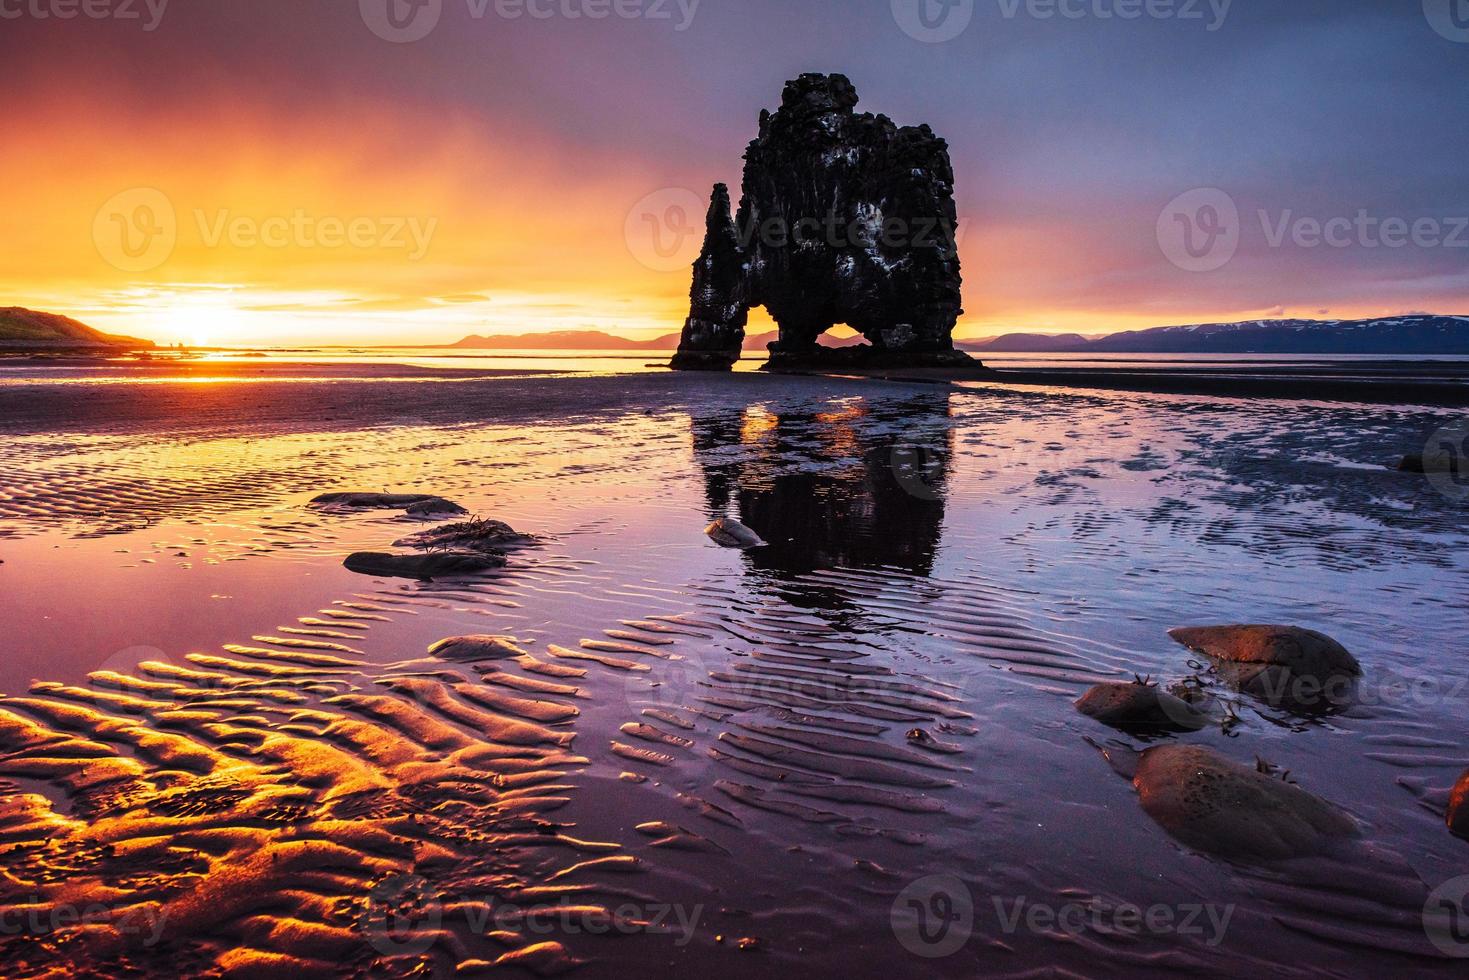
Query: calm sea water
[348, 362]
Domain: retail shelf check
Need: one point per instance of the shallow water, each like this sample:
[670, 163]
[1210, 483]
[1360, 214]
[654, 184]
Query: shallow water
[960, 561]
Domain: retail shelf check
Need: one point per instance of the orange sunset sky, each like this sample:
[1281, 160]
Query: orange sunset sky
[536, 158]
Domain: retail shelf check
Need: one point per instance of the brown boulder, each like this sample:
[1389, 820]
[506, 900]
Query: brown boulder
[1458, 817]
[434, 564]
[1213, 804]
[1286, 665]
[1140, 706]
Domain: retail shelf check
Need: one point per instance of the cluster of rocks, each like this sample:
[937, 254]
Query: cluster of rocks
[463, 548]
[1199, 796]
[845, 217]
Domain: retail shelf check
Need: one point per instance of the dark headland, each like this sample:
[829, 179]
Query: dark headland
[27, 330]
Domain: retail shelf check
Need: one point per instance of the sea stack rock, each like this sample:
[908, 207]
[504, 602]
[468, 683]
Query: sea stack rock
[845, 218]
[718, 303]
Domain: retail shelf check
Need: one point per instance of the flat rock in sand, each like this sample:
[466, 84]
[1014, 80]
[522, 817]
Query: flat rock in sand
[477, 647]
[423, 566]
[1138, 706]
[411, 503]
[1213, 804]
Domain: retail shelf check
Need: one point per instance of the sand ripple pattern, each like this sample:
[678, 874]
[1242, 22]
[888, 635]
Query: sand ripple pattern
[291, 806]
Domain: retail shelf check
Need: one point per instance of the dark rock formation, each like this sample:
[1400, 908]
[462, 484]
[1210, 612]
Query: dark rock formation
[480, 534]
[415, 504]
[1217, 806]
[1287, 666]
[434, 564]
[1458, 813]
[718, 304]
[845, 218]
[1139, 706]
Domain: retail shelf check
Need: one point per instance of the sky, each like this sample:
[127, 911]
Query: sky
[277, 172]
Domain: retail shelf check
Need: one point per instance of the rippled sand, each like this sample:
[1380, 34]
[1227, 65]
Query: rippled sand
[227, 754]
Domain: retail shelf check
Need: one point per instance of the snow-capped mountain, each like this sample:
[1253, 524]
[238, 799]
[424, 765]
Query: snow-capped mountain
[1410, 334]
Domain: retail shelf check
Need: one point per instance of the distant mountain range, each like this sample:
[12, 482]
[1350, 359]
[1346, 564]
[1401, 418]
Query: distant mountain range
[20, 327]
[1415, 334]
[597, 340]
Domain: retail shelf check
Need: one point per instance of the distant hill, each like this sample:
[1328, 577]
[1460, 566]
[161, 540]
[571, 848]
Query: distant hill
[1027, 342]
[20, 327]
[1415, 334]
[566, 340]
[597, 340]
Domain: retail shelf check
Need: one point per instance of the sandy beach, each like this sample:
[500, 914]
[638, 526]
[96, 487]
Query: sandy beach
[242, 756]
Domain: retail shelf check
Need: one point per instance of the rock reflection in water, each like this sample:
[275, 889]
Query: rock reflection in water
[841, 484]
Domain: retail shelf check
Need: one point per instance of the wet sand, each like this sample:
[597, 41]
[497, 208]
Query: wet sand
[229, 753]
